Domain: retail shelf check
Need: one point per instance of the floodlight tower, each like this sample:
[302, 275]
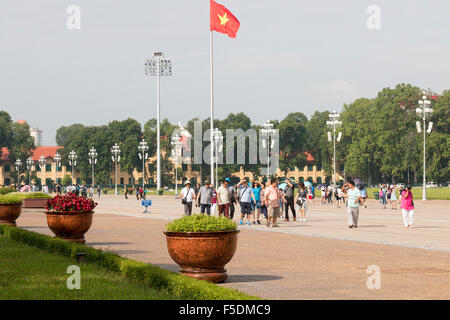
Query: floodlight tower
[158, 67]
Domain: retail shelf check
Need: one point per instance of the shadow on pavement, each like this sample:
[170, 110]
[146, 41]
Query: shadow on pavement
[251, 278]
[105, 243]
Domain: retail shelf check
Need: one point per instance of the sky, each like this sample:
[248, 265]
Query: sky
[289, 56]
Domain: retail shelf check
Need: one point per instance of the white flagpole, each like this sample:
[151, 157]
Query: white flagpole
[212, 103]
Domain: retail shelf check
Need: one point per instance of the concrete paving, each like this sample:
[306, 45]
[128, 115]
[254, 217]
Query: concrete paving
[317, 259]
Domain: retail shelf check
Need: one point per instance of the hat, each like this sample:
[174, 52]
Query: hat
[227, 179]
[206, 182]
[187, 182]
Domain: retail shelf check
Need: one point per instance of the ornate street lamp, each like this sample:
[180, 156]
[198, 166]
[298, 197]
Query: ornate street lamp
[176, 153]
[57, 160]
[424, 110]
[267, 141]
[73, 163]
[115, 150]
[143, 155]
[30, 163]
[93, 161]
[42, 167]
[334, 123]
[18, 164]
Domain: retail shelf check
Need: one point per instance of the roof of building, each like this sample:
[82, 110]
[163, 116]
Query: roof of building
[47, 152]
[309, 157]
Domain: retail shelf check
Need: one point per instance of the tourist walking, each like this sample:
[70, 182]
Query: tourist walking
[407, 206]
[363, 191]
[98, 190]
[187, 196]
[245, 198]
[382, 195]
[353, 198]
[393, 198]
[272, 197]
[288, 198]
[263, 202]
[204, 199]
[301, 202]
[224, 199]
[232, 197]
[256, 206]
[309, 195]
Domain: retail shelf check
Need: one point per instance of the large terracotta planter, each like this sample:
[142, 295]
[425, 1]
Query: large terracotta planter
[9, 213]
[34, 202]
[70, 226]
[202, 255]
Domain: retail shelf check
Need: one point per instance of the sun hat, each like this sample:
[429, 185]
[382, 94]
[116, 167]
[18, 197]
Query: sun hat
[187, 182]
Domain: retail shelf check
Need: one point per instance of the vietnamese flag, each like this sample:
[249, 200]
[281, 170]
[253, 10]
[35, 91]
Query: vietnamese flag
[222, 20]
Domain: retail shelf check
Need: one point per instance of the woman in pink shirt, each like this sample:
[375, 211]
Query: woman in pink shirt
[407, 206]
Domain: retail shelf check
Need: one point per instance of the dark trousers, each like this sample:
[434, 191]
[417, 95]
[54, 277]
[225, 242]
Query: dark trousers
[207, 207]
[289, 204]
[232, 209]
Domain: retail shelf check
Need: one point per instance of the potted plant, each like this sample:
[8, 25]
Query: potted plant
[33, 199]
[160, 192]
[10, 209]
[202, 245]
[70, 217]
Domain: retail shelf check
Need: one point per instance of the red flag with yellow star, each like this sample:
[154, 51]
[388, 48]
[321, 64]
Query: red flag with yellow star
[222, 20]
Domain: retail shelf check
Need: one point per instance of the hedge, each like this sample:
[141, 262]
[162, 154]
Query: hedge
[6, 190]
[153, 276]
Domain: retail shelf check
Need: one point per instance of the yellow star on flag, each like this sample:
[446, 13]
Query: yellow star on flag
[223, 19]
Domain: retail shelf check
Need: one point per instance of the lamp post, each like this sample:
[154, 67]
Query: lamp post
[30, 163]
[267, 141]
[158, 67]
[57, 160]
[424, 111]
[73, 163]
[18, 164]
[42, 166]
[176, 143]
[143, 155]
[217, 135]
[333, 123]
[115, 158]
[93, 161]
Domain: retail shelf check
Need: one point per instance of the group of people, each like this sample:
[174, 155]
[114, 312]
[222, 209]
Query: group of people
[268, 200]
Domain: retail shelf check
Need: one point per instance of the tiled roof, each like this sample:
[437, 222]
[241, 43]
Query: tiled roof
[47, 152]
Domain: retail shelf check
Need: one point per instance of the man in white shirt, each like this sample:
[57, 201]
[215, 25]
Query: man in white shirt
[224, 199]
[188, 196]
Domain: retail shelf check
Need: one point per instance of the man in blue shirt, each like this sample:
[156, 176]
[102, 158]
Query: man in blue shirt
[246, 195]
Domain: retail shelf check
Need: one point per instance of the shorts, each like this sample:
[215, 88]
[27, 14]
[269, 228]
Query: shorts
[256, 205]
[309, 197]
[302, 204]
[274, 212]
[246, 208]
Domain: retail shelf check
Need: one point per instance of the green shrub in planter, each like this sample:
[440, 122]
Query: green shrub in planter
[30, 195]
[105, 191]
[160, 192]
[201, 223]
[5, 190]
[10, 200]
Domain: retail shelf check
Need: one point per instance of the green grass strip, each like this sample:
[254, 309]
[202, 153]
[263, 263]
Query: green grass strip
[152, 276]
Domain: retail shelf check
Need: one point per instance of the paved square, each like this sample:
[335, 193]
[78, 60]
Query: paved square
[299, 260]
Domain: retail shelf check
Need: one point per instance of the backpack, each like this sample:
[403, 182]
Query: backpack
[381, 194]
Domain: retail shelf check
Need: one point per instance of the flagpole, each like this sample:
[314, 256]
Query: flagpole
[212, 102]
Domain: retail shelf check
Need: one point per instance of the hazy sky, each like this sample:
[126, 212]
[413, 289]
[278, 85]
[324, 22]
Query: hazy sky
[288, 56]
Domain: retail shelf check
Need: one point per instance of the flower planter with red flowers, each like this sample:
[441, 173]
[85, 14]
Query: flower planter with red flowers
[70, 217]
